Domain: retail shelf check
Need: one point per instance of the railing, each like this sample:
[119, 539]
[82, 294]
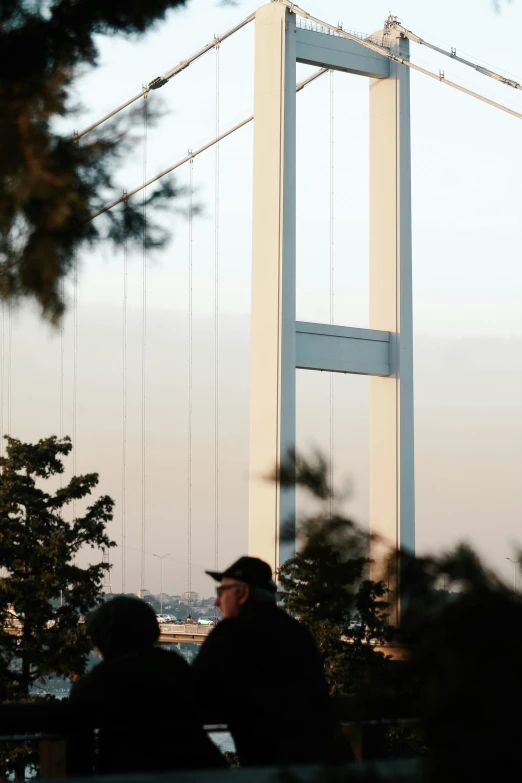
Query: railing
[169, 632]
[191, 633]
[57, 726]
[306, 24]
[185, 628]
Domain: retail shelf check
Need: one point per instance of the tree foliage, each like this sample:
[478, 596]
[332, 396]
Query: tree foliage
[463, 643]
[38, 549]
[327, 587]
[50, 185]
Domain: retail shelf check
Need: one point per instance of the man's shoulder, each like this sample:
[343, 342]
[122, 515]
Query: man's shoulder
[168, 661]
[87, 686]
[226, 629]
[271, 614]
[255, 621]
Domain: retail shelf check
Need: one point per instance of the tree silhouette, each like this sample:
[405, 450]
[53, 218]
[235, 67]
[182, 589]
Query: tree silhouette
[41, 581]
[326, 584]
[460, 680]
[50, 184]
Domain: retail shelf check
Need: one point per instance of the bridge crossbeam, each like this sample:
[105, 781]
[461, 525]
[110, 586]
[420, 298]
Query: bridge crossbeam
[342, 349]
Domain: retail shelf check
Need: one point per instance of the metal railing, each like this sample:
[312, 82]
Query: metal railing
[56, 726]
[306, 24]
[185, 628]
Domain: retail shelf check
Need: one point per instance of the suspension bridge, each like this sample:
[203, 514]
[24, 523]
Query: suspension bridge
[285, 35]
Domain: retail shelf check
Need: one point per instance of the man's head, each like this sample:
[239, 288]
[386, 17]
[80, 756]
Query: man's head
[248, 580]
[122, 625]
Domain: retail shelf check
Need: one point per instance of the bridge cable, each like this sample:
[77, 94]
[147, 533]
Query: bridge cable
[62, 352]
[75, 368]
[124, 419]
[189, 455]
[367, 43]
[216, 328]
[9, 363]
[331, 282]
[2, 373]
[144, 348]
[160, 81]
[194, 153]
[393, 22]
[75, 376]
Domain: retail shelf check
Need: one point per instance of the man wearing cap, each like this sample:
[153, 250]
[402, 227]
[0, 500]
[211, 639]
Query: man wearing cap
[262, 673]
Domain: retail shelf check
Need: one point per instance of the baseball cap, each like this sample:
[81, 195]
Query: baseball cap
[252, 570]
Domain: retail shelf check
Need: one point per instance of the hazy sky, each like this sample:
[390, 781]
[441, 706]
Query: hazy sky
[467, 289]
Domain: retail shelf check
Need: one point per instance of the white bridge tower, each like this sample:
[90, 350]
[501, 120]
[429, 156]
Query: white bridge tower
[279, 343]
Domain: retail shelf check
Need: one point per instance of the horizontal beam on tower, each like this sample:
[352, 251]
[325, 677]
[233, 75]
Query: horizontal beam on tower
[342, 349]
[340, 54]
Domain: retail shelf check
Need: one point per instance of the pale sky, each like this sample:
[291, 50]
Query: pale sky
[467, 289]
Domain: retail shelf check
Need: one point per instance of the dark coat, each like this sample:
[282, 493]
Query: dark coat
[264, 675]
[145, 705]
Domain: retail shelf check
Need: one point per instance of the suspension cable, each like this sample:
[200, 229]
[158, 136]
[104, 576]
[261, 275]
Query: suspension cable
[393, 22]
[194, 153]
[216, 328]
[189, 456]
[124, 420]
[160, 81]
[374, 47]
[331, 281]
[144, 349]
[9, 365]
[2, 374]
[62, 350]
[75, 368]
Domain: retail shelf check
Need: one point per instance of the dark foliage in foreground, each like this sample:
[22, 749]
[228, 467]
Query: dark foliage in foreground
[50, 184]
[44, 592]
[461, 677]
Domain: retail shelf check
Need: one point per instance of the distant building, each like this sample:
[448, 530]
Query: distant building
[189, 597]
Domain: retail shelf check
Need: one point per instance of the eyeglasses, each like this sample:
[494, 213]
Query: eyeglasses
[221, 589]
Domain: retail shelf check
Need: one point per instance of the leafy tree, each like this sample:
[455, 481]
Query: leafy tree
[38, 549]
[455, 637]
[325, 585]
[50, 183]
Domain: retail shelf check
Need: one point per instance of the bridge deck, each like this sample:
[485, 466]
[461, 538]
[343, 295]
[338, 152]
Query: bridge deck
[190, 633]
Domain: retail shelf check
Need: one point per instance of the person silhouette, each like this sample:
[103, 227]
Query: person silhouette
[134, 683]
[258, 665]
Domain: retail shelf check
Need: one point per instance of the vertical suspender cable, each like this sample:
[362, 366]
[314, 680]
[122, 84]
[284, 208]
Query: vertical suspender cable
[216, 328]
[9, 365]
[331, 278]
[75, 368]
[124, 420]
[144, 351]
[62, 351]
[2, 379]
[189, 455]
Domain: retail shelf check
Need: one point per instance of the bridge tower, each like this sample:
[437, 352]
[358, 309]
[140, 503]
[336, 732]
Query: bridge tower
[279, 343]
